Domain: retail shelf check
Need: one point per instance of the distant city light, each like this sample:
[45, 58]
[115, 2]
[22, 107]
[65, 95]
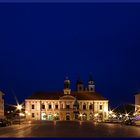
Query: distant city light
[21, 114]
[114, 116]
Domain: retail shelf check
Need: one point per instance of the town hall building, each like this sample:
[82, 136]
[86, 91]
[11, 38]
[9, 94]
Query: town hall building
[82, 104]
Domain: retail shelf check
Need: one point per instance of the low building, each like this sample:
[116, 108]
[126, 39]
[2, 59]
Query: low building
[83, 104]
[1, 105]
[137, 102]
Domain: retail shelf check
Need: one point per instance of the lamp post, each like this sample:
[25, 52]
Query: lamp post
[19, 107]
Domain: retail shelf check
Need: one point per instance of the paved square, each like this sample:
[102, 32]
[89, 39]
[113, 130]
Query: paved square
[69, 129]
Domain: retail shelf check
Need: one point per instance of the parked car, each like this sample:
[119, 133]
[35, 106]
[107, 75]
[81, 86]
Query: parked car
[129, 122]
[5, 122]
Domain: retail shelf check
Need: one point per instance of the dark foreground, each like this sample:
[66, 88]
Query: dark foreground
[69, 129]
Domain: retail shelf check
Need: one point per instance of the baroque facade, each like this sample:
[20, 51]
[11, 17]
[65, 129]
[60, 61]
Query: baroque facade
[82, 104]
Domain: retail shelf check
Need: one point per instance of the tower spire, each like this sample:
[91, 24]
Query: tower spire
[79, 84]
[91, 86]
[67, 89]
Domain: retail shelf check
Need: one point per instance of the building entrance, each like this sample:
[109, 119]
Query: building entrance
[50, 117]
[67, 116]
[43, 116]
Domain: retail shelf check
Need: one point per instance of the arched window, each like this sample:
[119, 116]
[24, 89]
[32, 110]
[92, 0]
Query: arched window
[50, 106]
[90, 106]
[84, 107]
[56, 106]
[43, 106]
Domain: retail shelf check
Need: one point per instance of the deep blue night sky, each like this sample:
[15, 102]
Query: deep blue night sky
[42, 43]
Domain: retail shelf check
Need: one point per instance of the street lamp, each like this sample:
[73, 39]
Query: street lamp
[114, 116]
[126, 115]
[110, 112]
[19, 107]
[120, 116]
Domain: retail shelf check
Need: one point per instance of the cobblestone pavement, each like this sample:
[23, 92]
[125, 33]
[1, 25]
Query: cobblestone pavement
[69, 129]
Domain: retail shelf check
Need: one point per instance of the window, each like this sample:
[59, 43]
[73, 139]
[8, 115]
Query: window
[67, 106]
[56, 106]
[84, 107]
[33, 107]
[90, 107]
[33, 115]
[43, 106]
[100, 107]
[50, 106]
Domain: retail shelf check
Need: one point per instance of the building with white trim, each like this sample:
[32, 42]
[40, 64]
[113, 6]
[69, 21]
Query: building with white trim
[82, 104]
[137, 102]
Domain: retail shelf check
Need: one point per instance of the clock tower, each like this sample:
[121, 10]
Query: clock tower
[67, 89]
[91, 86]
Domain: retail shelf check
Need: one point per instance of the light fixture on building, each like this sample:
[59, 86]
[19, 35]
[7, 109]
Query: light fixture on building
[96, 115]
[29, 114]
[80, 115]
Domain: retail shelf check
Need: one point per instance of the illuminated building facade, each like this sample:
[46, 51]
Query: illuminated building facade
[1, 105]
[137, 102]
[82, 104]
